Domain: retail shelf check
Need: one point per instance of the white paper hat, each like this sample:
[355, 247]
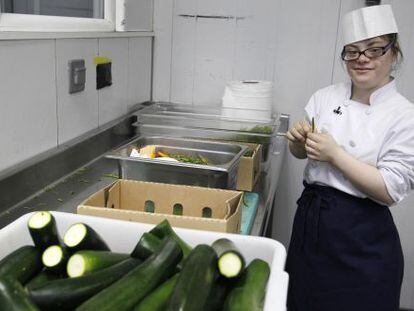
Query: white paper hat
[368, 22]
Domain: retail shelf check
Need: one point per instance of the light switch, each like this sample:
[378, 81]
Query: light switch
[77, 75]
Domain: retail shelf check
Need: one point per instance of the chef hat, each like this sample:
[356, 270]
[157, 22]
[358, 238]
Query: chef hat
[368, 22]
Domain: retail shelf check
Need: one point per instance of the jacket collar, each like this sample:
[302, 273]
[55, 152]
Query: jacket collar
[379, 95]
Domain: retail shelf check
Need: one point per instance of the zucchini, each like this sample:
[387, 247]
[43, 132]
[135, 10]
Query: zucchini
[22, 264]
[218, 294]
[132, 288]
[157, 300]
[230, 261]
[86, 262]
[67, 294]
[80, 236]
[147, 245]
[40, 279]
[164, 229]
[42, 228]
[195, 280]
[13, 297]
[249, 292]
[54, 258]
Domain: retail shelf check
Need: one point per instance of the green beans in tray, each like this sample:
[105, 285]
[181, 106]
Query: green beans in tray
[161, 273]
[190, 159]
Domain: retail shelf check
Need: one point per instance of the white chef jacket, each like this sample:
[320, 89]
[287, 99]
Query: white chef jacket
[380, 134]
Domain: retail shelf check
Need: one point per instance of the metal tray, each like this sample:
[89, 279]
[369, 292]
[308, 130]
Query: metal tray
[203, 117]
[266, 140]
[221, 172]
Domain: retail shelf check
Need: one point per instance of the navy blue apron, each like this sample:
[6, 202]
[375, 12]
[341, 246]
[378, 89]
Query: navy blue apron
[345, 254]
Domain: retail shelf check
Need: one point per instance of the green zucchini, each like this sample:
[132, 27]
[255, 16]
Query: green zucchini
[13, 297]
[42, 228]
[164, 229]
[230, 261]
[157, 300]
[147, 245]
[67, 294]
[82, 237]
[249, 292]
[40, 279]
[22, 264]
[54, 259]
[218, 294]
[86, 262]
[195, 280]
[132, 288]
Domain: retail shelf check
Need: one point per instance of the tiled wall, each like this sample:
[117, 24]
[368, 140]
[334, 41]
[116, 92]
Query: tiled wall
[37, 113]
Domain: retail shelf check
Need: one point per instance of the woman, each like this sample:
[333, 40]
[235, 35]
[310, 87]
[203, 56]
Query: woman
[345, 252]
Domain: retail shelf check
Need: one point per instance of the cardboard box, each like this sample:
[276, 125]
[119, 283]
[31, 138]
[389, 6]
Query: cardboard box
[132, 200]
[122, 237]
[249, 168]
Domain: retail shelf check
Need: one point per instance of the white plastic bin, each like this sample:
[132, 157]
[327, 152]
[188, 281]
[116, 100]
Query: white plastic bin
[122, 236]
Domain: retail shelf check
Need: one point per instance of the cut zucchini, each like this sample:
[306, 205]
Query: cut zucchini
[13, 297]
[195, 280]
[164, 229]
[22, 264]
[230, 261]
[157, 300]
[86, 262]
[126, 293]
[67, 294]
[82, 237]
[147, 245]
[249, 292]
[54, 258]
[42, 228]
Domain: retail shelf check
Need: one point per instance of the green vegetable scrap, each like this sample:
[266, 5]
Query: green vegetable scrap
[249, 153]
[190, 159]
[267, 129]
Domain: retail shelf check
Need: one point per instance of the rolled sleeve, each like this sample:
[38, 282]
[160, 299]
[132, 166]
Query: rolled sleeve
[396, 163]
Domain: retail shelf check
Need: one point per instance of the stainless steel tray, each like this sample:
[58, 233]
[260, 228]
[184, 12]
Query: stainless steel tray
[202, 117]
[221, 172]
[266, 140]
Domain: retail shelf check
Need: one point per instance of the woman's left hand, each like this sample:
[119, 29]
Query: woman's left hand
[321, 147]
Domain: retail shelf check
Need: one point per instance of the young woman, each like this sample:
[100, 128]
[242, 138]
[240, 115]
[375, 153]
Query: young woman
[345, 252]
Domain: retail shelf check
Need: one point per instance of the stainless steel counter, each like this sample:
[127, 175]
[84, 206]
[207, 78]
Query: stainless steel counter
[68, 191]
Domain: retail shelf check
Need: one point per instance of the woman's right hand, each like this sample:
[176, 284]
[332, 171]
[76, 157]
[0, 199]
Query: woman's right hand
[298, 132]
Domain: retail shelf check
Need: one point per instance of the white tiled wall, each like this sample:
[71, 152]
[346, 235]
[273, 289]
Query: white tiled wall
[139, 66]
[113, 100]
[78, 112]
[28, 120]
[37, 113]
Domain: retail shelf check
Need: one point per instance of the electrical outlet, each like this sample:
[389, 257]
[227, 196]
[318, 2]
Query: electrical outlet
[77, 75]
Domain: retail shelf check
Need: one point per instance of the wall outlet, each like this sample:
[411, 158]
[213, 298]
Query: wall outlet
[77, 75]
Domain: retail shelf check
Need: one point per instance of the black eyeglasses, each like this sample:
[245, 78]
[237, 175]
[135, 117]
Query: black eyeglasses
[373, 52]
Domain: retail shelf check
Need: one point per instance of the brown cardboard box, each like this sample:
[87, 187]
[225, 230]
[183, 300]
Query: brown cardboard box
[128, 200]
[249, 169]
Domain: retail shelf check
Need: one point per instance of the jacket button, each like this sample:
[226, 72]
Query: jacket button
[352, 143]
[368, 111]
